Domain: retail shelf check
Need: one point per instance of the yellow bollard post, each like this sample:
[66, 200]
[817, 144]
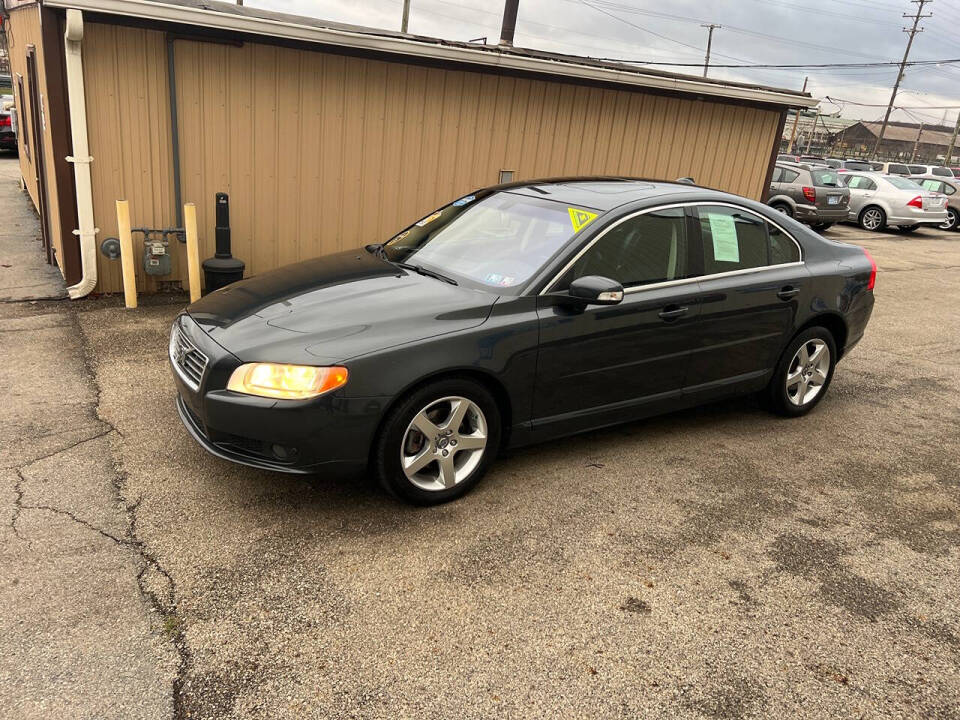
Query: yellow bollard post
[193, 250]
[126, 254]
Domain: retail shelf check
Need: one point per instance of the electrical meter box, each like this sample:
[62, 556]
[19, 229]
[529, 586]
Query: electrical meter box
[156, 257]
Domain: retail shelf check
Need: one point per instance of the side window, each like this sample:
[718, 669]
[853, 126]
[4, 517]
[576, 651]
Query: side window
[777, 174]
[942, 172]
[790, 175]
[859, 182]
[782, 247]
[22, 116]
[948, 189]
[733, 239]
[645, 249]
[902, 169]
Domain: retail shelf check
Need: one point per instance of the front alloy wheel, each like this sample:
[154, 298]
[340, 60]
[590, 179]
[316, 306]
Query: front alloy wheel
[444, 443]
[438, 441]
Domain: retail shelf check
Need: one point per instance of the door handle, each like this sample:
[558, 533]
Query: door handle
[672, 312]
[787, 292]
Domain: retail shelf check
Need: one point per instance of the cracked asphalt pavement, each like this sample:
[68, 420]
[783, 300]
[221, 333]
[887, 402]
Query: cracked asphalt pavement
[718, 562]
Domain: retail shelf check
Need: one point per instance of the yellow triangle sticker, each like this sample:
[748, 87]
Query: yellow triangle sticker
[579, 218]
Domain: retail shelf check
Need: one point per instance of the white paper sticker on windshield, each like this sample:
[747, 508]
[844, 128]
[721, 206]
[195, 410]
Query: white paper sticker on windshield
[723, 230]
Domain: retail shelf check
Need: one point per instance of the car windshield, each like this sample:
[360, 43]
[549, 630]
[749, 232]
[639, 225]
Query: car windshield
[856, 165]
[494, 242]
[901, 183]
[825, 178]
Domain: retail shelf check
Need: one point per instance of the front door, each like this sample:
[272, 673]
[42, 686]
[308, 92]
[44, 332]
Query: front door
[602, 364]
[752, 286]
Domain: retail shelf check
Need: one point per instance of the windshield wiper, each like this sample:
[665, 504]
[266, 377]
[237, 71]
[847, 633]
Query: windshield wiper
[421, 270]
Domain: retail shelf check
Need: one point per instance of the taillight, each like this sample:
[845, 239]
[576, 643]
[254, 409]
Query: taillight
[5, 121]
[917, 202]
[873, 270]
[810, 194]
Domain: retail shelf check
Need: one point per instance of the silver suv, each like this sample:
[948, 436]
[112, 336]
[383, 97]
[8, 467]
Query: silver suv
[812, 195]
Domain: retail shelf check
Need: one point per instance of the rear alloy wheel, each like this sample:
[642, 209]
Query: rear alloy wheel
[803, 373]
[953, 219]
[873, 219]
[438, 442]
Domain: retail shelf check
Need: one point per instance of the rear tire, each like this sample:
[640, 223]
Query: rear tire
[872, 218]
[438, 442]
[952, 221]
[783, 208]
[803, 373]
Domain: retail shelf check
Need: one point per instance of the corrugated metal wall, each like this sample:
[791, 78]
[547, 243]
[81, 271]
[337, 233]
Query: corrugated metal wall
[322, 152]
[23, 30]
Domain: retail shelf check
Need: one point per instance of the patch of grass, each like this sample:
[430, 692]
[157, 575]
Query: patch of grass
[171, 625]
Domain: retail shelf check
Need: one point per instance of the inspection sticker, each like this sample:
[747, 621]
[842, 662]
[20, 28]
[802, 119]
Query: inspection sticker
[464, 200]
[723, 230]
[429, 218]
[579, 218]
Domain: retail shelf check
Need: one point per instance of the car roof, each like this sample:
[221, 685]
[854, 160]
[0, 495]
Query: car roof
[601, 193]
[931, 176]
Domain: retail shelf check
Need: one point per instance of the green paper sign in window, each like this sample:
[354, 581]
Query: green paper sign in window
[723, 230]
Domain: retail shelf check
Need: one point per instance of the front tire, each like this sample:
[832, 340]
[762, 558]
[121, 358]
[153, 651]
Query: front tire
[438, 442]
[873, 218]
[952, 221]
[803, 374]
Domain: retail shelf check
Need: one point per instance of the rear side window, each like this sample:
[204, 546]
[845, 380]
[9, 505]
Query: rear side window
[825, 178]
[777, 174]
[790, 175]
[856, 165]
[941, 172]
[735, 239]
[645, 249]
[859, 182]
[948, 189]
[902, 183]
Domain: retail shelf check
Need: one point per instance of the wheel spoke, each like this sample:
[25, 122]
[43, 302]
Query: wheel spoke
[425, 425]
[817, 352]
[448, 471]
[802, 391]
[472, 442]
[795, 377]
[416, 463]
[820, 376]
[458, 410]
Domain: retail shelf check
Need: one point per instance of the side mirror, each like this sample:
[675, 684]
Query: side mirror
[596, 290]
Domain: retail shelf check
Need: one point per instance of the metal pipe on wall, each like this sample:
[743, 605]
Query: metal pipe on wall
[73, 39]
[174, 127]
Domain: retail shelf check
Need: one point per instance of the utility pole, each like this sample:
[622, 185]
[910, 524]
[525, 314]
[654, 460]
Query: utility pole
[710, 28]
[916, 144]
[405, 20]
[953, 142]
[903, 63]
[816, 119]
[796, 116]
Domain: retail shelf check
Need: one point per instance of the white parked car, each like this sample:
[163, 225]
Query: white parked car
[937, 170]
[878, 200]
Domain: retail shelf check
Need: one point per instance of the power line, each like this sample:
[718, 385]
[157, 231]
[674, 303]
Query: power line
[799, 66]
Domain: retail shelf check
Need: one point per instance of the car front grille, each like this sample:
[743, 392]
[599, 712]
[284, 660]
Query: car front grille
[187, 359]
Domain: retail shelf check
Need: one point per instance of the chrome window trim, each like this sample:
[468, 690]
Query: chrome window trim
[668, 283]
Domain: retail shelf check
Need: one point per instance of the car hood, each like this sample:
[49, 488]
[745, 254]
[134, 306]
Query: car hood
[333, 308]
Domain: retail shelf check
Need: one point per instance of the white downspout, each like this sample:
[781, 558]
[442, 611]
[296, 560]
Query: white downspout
[81, 156]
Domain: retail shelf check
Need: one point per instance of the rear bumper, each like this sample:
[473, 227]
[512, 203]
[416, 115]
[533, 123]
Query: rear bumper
[811, 213]
[918, 217]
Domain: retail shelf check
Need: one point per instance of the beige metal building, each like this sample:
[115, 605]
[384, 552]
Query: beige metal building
[329, 136]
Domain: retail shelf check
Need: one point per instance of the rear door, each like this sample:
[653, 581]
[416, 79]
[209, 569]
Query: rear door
[862, 189]
[752, 285]
[598, 364]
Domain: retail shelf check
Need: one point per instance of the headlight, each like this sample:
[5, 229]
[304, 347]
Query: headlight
[287, 382]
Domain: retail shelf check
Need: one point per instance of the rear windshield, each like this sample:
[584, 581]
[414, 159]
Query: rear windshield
[825, 178]
[942, 172]
[901, 182]
[857, 165]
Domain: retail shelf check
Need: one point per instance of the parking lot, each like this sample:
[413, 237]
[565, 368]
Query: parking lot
[718, 562]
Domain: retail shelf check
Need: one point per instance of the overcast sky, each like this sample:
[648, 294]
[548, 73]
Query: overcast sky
[754, 31]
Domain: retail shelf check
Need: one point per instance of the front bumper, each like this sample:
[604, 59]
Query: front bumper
[305, 436]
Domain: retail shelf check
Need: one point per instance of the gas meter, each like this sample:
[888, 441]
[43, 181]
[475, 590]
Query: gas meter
[156, 253]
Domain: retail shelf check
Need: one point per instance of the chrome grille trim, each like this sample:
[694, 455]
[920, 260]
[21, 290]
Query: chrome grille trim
[187, 359]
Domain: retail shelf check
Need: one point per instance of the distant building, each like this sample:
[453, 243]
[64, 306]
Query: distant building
[815, 133]
[899, 141]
